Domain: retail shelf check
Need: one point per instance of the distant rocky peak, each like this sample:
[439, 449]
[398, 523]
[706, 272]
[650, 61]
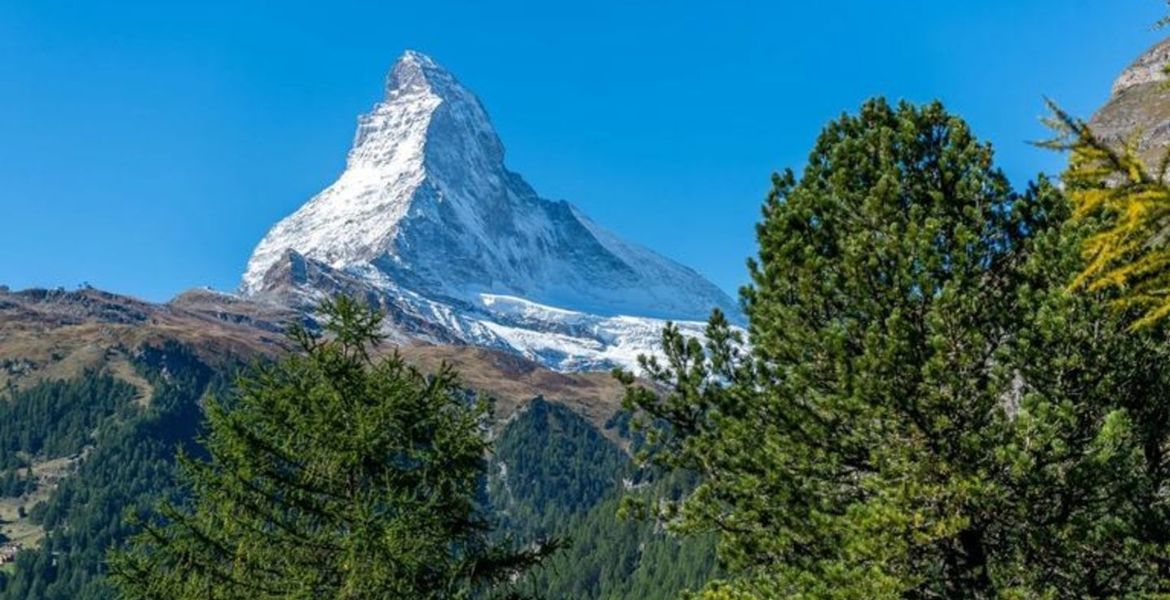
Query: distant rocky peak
[1148, 68]
[1138, 111]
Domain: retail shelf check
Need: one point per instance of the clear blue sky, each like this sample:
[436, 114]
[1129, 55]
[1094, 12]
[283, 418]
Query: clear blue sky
[145, 147]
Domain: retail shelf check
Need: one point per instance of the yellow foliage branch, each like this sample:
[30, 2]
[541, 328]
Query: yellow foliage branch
[1128, 208]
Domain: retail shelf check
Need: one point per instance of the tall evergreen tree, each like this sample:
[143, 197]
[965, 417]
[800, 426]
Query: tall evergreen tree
[330, 474]
[923, 412]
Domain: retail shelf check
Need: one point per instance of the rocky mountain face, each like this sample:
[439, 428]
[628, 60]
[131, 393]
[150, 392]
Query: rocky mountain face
[1138, 110]
[427, 222]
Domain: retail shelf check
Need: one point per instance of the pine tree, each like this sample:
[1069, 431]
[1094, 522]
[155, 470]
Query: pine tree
[923, 411]
[330, 474]
[1084, 468]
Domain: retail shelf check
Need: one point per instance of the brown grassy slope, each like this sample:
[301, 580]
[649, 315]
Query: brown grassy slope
[60, 334]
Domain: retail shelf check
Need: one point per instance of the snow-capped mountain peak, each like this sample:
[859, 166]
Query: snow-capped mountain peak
[424, 110]
[426, 212]
[410, 74]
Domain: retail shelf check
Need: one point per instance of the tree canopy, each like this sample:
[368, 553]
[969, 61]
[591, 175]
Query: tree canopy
[923, 409]
[330, 474]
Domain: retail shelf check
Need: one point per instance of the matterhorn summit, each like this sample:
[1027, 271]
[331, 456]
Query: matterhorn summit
[426, 220]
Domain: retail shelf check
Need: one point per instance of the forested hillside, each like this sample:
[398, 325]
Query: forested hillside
[124, 459]
[554, 474]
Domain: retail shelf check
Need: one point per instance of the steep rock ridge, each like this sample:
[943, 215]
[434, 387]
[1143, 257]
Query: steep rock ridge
[1138, 110]
[427, 222]
[1150, 67]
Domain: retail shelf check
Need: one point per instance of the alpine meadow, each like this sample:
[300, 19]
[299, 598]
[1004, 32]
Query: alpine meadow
[419, 374]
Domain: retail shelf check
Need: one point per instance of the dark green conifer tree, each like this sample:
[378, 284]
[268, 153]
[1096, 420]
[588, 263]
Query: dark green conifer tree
[925, 411]
[330, 474]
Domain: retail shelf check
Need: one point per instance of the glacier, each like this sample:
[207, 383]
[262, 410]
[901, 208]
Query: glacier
[427, 222]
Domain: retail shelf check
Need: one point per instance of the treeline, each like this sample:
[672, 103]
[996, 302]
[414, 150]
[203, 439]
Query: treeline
[554, 475]
[17, 482]
[131, 466]
[58, 418]
[548, 466]
[622, 559]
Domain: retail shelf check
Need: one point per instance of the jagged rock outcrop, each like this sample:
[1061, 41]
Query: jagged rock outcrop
[1138, 110]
